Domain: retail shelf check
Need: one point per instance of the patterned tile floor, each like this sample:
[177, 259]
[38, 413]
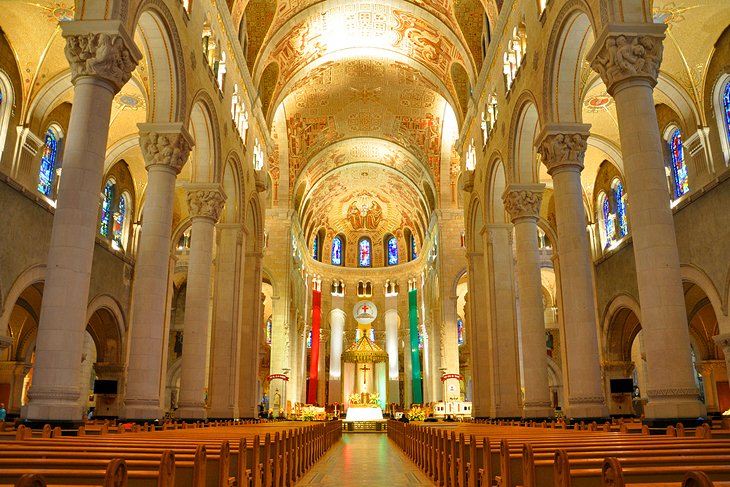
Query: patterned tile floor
[365, 460]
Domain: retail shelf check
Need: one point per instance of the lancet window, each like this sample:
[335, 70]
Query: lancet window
[392, 251]
[106, 208]
[269, 331]
[460, 331]
[48, 163]
[726, 110]
[621, 218]
[364, 252]
[680, 178]
[471, 157]
[337, 251]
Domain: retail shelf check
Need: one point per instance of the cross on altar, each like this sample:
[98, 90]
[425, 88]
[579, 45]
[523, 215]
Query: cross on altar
[365, 308]
[364, 369]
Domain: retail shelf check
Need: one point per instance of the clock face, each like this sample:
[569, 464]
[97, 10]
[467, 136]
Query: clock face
[365, 312]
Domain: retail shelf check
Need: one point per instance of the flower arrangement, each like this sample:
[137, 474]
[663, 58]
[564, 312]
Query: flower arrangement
[308, 415]
[375, 398]
[416, 414]
[354, 398]
[726, 413]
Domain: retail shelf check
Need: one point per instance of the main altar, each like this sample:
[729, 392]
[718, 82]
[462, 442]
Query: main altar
[365, 383]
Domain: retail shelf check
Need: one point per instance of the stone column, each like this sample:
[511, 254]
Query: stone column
[503, 348]
[477, 321]
[562, 148]
[337, 331]
[165, 147]
[391, 346]
[223, 386]
[723, 341]
[627, 56]
[522, 202]
[250, 327]
[711, 371]
[102, 57]
[205, 203]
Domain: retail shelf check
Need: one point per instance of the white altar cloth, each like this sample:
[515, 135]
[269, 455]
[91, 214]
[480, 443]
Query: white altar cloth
[364, 414]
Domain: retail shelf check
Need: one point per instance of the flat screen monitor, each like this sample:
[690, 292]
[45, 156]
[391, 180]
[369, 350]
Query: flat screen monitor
[622, 386]
[105, 387]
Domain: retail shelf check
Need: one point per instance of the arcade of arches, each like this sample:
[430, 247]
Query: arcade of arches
[216, 208]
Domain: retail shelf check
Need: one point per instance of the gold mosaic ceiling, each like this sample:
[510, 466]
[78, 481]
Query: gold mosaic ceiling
[364, 98]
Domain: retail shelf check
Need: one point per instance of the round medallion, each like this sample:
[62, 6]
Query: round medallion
[365, 312]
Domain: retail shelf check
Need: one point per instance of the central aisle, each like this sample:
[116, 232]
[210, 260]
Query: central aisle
[364, 460]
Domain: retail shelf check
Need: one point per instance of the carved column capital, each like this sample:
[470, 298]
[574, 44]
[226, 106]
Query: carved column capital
[563, 146]
[723, 341]
[625, 52]
[523, 201]
[100, 49]
[165, 144]
[205, 201]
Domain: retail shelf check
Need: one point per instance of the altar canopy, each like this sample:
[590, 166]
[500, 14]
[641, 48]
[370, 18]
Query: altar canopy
[364, 373]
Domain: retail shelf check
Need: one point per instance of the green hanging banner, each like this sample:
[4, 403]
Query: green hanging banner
[415, 355]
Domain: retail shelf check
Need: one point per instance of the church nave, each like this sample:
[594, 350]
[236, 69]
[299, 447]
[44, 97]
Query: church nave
[364, 460]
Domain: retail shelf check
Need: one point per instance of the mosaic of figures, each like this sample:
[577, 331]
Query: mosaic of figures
[305, 136]
[439, 8]
[352, 24]
[372, 202]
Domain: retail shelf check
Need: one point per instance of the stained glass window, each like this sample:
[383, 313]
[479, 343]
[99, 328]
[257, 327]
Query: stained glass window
[106, 209]
[337, 251]
[48, 163]
[623, 223]
[119, 223]
[392, 251]
[372, 335]
[365, 253]
[607, 222]
[269, 330]
[414, 254]
[309, 339]
[460, 331]
[726, 109]
[420, 340]
[315, 247]
[679, 169]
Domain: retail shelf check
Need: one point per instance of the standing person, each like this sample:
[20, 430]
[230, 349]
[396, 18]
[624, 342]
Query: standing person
[2, 411]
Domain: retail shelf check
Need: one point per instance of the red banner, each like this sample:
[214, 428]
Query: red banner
[277, 376]
[446, 377]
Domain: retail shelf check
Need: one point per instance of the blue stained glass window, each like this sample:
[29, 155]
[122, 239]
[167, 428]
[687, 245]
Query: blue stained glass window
[106, 209]
[315, 247]
[269, 330]
[460, 331]
[726, 108]
[679, 169]
[392, 251]
[337, 251]
[420, 340]
[48, 163]
[623, 223]
[607, 222]
[309, 339]
[119, 223]
[414, 254]
[365, 253]
[372, 335]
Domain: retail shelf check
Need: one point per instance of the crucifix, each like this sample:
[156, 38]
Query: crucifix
[364, 369]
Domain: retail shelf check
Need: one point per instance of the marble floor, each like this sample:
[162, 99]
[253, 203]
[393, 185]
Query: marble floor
[365, 460]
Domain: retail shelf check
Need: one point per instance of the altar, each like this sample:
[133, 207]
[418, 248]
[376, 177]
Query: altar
[368, 413]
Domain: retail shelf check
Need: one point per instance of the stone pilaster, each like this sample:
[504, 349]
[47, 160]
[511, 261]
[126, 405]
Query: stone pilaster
[13, 374]
[165, 147]
[337, 331]
[522, 202]
[102, 57]
[224, 364]
[108, 405]
[562, 148]
[627, 56]
[503, 350]
[205, 203]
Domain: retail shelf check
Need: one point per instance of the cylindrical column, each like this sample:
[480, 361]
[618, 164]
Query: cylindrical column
[522, 201]
[204, 206]
[337, 331]
[562, 148]
[391, 346]
[224, 364]
[415, 353]
[627, 56]
[98, 71]
[314, 354]
[165, 148]
[503, 346]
